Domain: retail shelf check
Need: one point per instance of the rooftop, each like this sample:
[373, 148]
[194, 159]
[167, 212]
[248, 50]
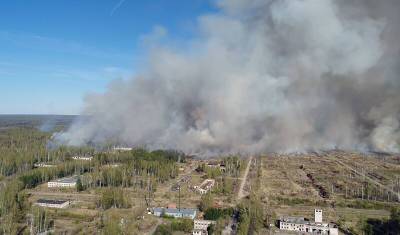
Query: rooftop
[186, 211]
[295, 220]
[213, 163]
[67, 180]
[48, 201]
[207, 183]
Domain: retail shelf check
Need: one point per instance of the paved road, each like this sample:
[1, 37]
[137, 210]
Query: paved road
[243, 183]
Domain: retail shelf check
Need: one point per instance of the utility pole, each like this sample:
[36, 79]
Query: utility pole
[30, 218]
[362, 191]
[179, 198]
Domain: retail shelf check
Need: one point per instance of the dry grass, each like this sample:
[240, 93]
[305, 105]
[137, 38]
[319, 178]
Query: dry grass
[291, 185]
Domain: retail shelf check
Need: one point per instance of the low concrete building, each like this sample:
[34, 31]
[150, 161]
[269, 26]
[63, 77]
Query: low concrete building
[301, 224]
[68, 182]
[213, 163]
[122, 149]
[52, 203]
[176, 213]
[217, 164]
[38, 165]
[84, 158]
[205, 186]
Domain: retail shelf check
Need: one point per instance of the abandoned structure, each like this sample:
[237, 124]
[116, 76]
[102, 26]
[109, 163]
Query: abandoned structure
[200, 226]
[176, 213]
[52, 203]
[63, 182]
[84, 158]
[199, 232]
[122, 149]
[301, 224]
[37, 165]
[205, 186]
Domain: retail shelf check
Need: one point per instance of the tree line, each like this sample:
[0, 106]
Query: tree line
[21, 148]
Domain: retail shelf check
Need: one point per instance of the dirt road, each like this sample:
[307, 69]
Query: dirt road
[151, 232]
[63, 194]
[243, 183]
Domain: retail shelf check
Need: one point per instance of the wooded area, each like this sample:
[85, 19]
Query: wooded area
[21, 148]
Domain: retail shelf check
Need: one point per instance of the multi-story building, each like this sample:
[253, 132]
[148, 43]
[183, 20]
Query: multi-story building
[200, 226]
[301, 224]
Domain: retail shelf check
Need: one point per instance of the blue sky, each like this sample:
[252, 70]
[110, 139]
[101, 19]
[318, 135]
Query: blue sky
[53, 52]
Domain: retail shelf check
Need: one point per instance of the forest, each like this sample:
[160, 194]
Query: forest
[22, 147]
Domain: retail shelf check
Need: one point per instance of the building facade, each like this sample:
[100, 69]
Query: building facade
[84, 158]
[122, 149]
[200, 226]
[69, 182]
[176, 213]
[301, 224]
[37, 165]
[318, 215]
[199, 232]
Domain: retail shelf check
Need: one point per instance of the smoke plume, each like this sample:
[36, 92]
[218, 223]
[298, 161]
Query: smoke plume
[263, 75]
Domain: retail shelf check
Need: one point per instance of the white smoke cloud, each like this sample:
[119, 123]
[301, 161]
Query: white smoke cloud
[265, 75]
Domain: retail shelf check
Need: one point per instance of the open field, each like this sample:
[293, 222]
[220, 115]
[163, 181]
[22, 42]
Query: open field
[42, 122]
[347, 186]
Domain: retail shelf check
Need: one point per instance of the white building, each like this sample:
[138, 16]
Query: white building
[318, 215]
[199, 232]
[122, 149]
[84, 158]
[52, 203]
[176, 213]
[306, 226]
[37, 165]
[205, 186]
[200, 226]
[69, 182]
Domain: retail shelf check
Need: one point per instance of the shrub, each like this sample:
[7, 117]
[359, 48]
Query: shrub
[216, 213]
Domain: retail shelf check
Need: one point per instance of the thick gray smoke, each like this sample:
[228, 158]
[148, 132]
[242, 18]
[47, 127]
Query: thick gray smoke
[264, 75]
